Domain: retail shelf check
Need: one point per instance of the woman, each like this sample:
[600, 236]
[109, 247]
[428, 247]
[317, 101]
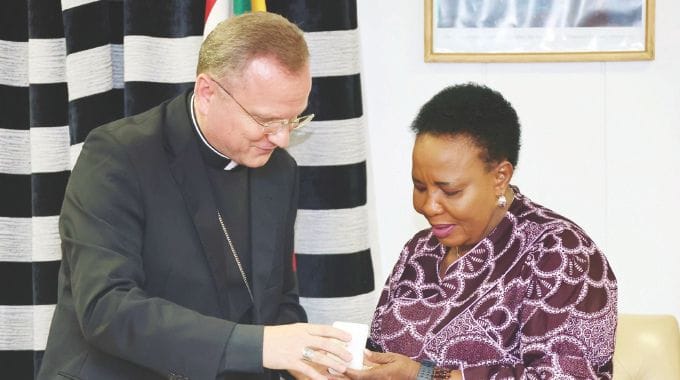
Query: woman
[499, 287]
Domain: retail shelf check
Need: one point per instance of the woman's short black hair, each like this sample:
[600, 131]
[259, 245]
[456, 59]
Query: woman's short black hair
[477, 112]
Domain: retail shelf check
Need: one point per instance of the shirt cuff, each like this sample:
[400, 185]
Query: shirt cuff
[243, 352]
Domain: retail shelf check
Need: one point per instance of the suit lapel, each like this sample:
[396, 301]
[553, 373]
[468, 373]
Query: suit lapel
[265, 231]
[189, 171]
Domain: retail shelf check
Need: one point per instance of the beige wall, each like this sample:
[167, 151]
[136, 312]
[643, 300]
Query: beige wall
[601, 144]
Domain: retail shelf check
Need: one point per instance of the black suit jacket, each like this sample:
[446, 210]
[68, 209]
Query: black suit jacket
[142, 286]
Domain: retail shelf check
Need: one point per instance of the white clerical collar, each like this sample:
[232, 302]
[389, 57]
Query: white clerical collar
[232, 164]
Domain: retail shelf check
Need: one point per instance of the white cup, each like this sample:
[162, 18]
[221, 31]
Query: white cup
[359, 332]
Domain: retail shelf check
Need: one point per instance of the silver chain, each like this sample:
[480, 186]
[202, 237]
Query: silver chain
[236, 257]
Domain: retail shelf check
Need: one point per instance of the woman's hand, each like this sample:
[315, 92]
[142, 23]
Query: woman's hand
[385, 366]
[320, 369]
[284, 345]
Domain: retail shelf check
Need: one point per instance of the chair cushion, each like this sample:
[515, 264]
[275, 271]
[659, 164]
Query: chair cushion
[647, 347]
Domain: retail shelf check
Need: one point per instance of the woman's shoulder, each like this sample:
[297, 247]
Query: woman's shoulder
[544, 221]
[558, 243]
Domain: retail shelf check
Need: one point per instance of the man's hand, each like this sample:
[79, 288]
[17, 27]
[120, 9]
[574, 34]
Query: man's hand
[284, 346]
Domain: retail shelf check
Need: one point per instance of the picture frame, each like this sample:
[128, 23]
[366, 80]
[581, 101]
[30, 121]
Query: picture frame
[538, 30]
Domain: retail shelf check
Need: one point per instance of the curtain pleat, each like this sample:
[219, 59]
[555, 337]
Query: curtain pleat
[335, 268]
[69, 66]
[34, 169]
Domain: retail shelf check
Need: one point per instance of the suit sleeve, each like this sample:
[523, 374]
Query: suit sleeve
[101, 226]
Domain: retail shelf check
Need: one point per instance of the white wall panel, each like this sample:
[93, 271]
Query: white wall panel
[643, 158]
[601, 143]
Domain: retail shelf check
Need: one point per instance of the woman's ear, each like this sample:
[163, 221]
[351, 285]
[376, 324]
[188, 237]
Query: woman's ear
[504, 172]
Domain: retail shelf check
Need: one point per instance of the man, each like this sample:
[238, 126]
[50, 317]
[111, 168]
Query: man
[177, 227]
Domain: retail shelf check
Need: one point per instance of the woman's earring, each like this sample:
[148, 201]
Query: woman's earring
[502, 201]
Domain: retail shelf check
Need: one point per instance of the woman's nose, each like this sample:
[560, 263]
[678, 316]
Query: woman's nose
[432, 205]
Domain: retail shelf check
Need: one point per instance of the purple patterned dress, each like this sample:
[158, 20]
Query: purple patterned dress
[536, 299]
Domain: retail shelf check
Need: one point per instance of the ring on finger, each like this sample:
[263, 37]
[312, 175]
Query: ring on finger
[307, 353]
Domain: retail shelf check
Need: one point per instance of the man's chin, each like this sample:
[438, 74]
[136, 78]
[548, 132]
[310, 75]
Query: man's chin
[257, 161]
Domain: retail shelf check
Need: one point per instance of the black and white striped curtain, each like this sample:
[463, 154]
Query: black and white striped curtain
[68, 66]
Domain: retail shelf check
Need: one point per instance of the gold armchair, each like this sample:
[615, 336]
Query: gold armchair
[647, 347]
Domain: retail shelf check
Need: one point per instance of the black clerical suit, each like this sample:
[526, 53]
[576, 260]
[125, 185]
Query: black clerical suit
[148, 287]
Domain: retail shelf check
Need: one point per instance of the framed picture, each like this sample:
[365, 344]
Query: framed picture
[538, 30]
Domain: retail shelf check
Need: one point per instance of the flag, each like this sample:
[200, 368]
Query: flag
[216, 11]
[241, 6]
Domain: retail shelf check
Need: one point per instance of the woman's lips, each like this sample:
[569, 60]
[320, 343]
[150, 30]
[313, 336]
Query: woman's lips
[442, 230]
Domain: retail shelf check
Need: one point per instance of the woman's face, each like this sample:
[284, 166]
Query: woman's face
[455, 190]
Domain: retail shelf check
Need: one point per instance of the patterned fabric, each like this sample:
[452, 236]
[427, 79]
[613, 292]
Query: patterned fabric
[536, 299]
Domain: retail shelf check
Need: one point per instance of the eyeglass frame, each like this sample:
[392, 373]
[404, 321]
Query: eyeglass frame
[269, 127]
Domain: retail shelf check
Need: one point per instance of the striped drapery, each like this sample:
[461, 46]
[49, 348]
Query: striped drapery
[34, 167]
[335, 268]
[68, 66]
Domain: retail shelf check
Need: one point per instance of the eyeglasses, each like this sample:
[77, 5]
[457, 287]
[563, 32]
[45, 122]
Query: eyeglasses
[274, 126]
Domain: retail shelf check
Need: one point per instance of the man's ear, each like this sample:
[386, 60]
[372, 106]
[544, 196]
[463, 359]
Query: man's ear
[203, 93]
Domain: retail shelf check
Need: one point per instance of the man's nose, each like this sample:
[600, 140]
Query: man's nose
[280, 138]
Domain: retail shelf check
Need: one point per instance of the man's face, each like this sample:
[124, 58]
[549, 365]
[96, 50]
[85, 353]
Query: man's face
[267, 92]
